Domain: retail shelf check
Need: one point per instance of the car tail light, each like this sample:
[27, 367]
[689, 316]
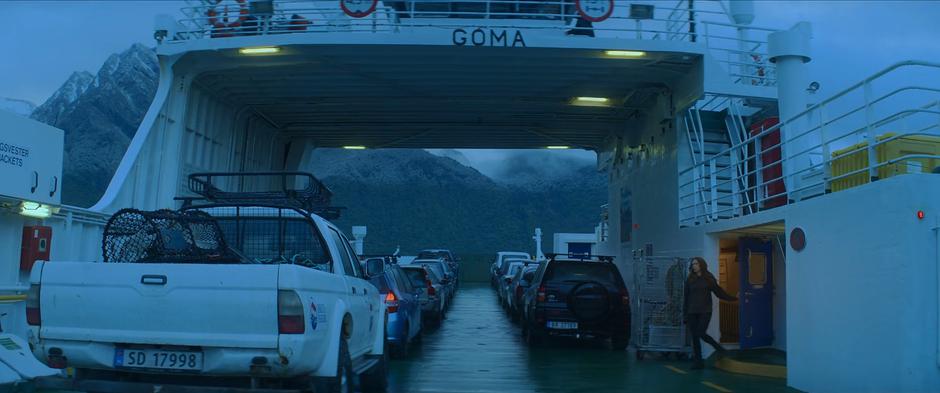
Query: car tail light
[518, 292]
[391, 302]
[290, 313]
[33, 316]
[431, 290]
[540, 294]
[624, 297]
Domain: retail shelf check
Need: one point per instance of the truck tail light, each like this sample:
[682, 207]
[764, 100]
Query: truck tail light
[33, 316]
[290, 313]
[391, 302]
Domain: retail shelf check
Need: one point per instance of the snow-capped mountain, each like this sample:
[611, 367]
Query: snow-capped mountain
[100, 114]
[18, 106]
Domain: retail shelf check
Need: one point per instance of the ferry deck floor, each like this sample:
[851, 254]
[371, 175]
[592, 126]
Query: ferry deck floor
[478, 350]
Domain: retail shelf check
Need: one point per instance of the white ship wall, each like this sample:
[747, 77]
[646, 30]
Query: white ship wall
[864, 293]
[188, 129]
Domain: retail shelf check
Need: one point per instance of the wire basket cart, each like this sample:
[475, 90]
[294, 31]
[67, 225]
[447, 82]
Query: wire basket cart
[659, 300]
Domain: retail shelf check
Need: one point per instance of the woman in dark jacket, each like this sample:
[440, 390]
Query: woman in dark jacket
[698, 307]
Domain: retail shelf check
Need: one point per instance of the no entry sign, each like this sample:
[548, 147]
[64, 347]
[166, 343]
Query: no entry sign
[358, 8]
[595, 10]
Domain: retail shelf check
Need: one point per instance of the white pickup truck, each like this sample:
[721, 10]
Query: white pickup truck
[292, 310]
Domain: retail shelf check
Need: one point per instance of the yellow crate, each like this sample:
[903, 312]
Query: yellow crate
[844, 162]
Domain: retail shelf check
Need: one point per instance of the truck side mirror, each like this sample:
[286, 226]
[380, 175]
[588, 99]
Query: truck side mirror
[375, 267]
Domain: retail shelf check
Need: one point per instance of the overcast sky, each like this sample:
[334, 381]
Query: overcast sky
[45, 41]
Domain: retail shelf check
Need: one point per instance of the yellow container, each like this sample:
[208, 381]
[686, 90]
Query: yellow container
[845, 161]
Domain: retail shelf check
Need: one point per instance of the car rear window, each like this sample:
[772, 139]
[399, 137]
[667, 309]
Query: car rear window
[435, 266]
[583, 271]
[380, 282]
[416, 276]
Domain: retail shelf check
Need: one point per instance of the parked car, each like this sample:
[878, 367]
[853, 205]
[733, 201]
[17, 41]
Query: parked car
[512, 266]
[230, 290]
[520, 283]
[501, 257]
[402, 303]
[442, 270]
[432, 297]
[578, 297]
[448, 256]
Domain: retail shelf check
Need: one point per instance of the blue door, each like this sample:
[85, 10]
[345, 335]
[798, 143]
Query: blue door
[755, 258]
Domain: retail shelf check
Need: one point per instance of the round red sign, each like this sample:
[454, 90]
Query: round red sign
[358, 8]
[797, 239]
[595, 10]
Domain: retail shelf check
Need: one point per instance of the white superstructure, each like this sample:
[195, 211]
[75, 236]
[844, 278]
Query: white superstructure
[699, 118]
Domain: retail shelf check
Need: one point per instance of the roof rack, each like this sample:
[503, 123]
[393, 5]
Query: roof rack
[582, 257]
[297, 190]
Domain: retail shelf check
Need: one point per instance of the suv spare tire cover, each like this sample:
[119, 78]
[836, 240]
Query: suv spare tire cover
[589, 301]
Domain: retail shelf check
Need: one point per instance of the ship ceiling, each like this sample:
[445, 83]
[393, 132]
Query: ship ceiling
[440, 96]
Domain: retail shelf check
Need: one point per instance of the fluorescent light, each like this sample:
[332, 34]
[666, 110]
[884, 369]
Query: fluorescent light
[260, 50]
[625, 53]
[354, 147]
[557, 147]
[599, 100]
[33, 209]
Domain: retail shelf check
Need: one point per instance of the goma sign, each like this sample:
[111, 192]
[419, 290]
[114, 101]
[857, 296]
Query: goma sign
[358, 8]
[595, 10]
[487, 37]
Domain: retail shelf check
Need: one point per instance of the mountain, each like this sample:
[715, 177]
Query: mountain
[100, 115]
[20, 107]
[407, 197]
[419, 200]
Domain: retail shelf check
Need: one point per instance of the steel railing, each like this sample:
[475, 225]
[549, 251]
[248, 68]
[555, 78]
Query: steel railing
[866, 118]
[742, 49]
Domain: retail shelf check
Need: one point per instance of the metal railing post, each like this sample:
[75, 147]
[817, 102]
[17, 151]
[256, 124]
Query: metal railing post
[733, 160]
[827, 164]
[713, 185]
[870, 131]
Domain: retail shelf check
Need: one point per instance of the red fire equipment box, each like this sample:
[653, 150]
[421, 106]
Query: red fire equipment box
[37, 242]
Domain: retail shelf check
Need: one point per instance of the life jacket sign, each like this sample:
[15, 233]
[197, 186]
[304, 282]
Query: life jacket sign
[595, 10]
[358, 8]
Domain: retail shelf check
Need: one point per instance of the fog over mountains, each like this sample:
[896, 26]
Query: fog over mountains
[407, 197]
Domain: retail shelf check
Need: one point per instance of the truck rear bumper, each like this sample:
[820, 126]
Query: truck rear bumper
[221, 362]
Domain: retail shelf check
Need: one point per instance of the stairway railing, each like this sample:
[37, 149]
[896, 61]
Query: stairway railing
[853, 127]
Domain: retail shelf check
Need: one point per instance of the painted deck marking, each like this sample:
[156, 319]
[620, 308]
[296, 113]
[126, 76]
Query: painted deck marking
[716, 387]
[676, 369]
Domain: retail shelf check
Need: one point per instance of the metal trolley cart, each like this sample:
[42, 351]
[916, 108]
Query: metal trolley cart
[659, 295]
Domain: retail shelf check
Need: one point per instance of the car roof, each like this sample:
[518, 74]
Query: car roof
[512, 253]
[427, 260]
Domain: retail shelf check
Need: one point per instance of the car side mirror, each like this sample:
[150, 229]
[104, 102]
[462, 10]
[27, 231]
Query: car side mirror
[375, 267]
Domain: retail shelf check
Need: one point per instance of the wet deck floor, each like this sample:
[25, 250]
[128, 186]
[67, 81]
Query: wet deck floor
[479, 350]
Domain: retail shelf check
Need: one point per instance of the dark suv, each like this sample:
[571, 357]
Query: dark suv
[577, 296]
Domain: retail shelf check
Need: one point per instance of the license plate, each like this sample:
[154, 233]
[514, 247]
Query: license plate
[158, 359]
[562, 325]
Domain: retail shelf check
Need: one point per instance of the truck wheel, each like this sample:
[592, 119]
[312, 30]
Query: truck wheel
[344, 381]
[376, 379]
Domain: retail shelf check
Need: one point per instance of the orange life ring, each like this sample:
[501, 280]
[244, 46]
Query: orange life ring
[224, 24]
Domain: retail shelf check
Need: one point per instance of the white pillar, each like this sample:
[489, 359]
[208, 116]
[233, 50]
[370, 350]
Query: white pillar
[359, 233]
[742, 12]
[790, 50]
[538, 244]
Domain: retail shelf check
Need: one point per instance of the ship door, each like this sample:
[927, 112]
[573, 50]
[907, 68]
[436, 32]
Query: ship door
[755, 258]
